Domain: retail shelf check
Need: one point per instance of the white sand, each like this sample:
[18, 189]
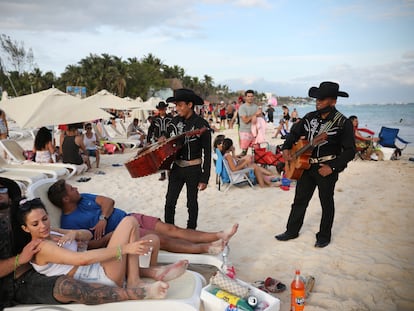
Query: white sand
[369, 264]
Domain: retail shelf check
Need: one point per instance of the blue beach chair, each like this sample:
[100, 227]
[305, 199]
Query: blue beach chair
[388, 138]
[226, 176]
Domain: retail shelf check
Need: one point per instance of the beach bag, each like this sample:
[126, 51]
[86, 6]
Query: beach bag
[229, 285]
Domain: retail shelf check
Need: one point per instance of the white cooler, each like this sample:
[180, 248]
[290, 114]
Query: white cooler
[212, 303]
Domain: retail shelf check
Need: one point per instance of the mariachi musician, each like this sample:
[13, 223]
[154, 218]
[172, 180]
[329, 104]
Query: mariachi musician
[158, 127]
[326, 160]
[193, 161]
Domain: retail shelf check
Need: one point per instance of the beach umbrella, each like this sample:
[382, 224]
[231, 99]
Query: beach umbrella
[50, 107]
[104, 99]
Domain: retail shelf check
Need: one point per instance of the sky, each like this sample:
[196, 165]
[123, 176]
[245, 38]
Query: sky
[278, 46]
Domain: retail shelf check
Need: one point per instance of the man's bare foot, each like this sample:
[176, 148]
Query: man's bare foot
[227, 234]
[156, 290]
[171, 272]
[216, 247]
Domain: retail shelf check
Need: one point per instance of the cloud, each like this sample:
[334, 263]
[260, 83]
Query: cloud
[388, 82]
[78, 15]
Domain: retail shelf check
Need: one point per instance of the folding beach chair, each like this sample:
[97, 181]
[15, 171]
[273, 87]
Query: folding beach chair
[265, 156]
[389, 137]
[227, 176]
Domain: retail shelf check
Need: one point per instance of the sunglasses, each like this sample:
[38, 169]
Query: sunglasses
[88, 128]
[25, 205]
[4, 190]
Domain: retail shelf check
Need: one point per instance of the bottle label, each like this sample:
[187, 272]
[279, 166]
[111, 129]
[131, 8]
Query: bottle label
[229, 298]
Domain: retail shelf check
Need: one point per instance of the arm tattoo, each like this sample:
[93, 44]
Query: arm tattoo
[67, 289]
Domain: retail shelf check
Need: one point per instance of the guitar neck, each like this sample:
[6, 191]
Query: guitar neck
[303, 150]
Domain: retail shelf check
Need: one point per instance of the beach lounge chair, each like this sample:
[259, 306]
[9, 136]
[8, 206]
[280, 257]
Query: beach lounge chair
[104, 137]
[389, 138]
[23, 178]
[50, 171]
[184, 292]
[227, 176]
[16, 154]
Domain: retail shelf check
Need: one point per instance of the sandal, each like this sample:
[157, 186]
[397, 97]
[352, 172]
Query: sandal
[274, 286]
[84, 179]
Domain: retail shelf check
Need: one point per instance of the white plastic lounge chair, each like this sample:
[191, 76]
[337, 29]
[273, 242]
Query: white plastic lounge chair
[15, 152]
[183, 294]
[103, 136]
[50, 171]
[25, 177]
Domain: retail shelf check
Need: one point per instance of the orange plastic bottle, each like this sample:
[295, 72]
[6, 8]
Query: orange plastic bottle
[297, 293]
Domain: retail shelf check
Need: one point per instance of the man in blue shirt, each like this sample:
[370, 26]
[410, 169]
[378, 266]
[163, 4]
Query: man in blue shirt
[98, 214]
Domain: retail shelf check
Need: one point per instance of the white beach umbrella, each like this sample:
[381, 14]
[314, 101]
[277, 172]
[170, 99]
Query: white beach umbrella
[50, 107]
[104, 99]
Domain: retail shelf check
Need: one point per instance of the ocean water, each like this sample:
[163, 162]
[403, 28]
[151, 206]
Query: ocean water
[372, 116]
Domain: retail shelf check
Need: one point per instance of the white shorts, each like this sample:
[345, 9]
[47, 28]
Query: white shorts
[93, 273]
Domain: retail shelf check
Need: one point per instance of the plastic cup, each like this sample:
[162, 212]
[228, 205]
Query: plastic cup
[144, 260]
[82, 246]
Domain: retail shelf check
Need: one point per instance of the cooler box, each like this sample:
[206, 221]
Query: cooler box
[387, 152]
[212, 303]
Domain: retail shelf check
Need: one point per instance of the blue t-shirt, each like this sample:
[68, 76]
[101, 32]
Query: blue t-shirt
[87, 215]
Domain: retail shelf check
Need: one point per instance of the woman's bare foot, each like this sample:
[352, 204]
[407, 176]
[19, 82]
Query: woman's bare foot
[156, 290]
[227, 234]
[216, 247]
[170, 272]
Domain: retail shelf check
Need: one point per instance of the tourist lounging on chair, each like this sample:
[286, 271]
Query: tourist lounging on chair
[16, 154]
[388, 138]
[105, 138]
[365, 149]
[226, 176]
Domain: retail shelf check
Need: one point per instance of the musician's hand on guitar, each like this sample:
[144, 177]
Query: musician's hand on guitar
[287, 155]
[202, 186]
[324, 170]
[161, 139]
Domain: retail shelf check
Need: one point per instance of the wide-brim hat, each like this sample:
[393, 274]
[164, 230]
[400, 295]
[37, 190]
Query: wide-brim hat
[326, 89]
[185, 95]
[12, 187]
[161, 105]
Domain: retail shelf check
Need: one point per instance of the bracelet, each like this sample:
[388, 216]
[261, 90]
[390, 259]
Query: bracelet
[16, 264]
[119, 253]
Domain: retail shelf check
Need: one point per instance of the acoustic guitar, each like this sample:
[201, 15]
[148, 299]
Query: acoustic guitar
[302, 152]
[159, 155]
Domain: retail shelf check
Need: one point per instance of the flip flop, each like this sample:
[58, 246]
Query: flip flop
[274, 286]
[84, 179]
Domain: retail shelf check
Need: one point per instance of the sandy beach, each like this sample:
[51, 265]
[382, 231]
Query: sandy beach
[368, 265]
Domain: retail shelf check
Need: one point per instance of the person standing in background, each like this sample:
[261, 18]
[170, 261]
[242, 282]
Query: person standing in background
[4, 128]
[247, 113]
[158, 127]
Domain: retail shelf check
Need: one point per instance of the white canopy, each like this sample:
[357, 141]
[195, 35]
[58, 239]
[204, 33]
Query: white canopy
[50, 107]
[104, 99]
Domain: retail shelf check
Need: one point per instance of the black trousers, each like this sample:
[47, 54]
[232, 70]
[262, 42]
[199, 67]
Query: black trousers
[305, 188]
[190, 176]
